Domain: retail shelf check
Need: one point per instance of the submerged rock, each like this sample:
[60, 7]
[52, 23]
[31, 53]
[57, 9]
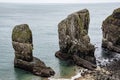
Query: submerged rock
[22, 44]
[74, 39]
[111, 32]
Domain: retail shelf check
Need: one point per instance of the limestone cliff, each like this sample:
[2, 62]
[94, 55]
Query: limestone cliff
[111, 32]
[23, 46]
[74, 39]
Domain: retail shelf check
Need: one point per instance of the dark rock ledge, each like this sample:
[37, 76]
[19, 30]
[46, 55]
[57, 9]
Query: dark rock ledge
[74, 41]
[23, 46]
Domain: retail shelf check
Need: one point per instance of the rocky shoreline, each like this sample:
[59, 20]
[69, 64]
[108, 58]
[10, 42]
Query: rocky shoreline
[75, 46]
[111, 42]
[109, 72]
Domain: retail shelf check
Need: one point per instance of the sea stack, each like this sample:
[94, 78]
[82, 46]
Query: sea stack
[74, 41]
[111, 32]
[23, 46]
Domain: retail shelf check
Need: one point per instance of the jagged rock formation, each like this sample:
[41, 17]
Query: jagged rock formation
[111, 32]
[74, 39]
[22, 44]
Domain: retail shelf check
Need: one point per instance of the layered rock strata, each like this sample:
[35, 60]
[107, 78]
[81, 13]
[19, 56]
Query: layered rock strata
[23, 46]
[74, 41]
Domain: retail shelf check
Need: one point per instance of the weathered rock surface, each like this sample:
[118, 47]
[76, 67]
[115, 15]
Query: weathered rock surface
[109, 72]
[22, 44]
[98, 74]
[74, 39]
[111, 32]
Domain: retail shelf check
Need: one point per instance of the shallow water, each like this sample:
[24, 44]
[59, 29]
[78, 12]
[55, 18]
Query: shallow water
[43, 20]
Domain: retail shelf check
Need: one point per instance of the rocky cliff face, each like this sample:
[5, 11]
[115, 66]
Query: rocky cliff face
[74, 39]
[22, 44]
[111, 32]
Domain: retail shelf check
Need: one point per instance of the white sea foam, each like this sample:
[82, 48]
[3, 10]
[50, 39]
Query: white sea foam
[72, 78]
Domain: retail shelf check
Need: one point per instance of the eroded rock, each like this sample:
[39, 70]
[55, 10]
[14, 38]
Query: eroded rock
[22, 44]
[74, 39]
[98, 74]
[111, 32]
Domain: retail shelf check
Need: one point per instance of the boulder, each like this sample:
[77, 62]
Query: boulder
[22, 44]
[74, 39]
[111, 32]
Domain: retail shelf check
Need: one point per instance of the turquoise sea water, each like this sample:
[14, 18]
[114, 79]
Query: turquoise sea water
[43, 20]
